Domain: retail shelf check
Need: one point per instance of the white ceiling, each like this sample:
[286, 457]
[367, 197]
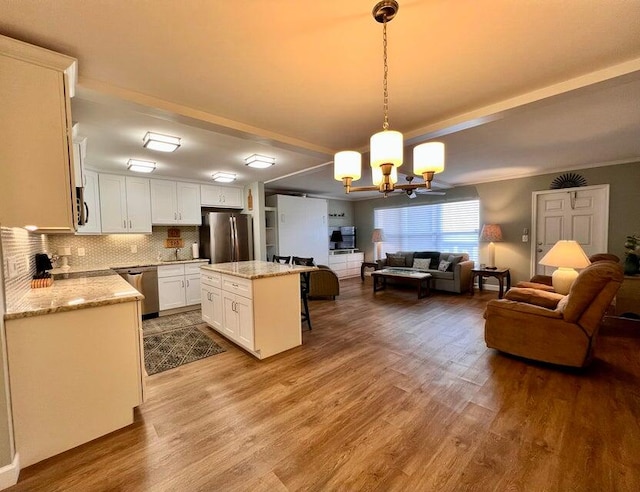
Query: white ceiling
[512, 88]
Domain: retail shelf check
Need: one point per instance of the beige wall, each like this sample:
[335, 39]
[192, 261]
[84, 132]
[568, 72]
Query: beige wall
[341, 213]
[508, 203]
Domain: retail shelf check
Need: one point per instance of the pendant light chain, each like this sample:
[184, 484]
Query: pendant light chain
[385, 124]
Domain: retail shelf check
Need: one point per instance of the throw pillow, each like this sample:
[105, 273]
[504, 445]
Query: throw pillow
[443, 266]
[454, 260]
[395, 260]
[421, 263]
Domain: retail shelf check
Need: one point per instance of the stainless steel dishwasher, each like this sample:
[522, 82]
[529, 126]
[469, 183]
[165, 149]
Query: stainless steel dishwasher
[145, 281]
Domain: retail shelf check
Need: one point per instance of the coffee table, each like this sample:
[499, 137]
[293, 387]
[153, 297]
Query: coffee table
[421, 279]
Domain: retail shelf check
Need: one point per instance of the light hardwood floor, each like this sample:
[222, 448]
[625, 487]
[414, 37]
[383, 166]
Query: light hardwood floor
[387, 393]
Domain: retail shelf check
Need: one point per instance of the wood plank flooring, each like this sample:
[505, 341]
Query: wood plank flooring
[387, 393]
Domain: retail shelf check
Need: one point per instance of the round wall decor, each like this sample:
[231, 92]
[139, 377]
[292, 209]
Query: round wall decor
[568, 180]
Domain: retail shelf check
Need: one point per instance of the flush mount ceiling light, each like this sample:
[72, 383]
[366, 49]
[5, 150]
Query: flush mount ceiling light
[163, 143]
[139, 166]
[223, 177]
[386, 147]
[260, 161]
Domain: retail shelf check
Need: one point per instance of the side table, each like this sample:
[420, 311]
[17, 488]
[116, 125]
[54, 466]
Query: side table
[367, 264]
[499, 273]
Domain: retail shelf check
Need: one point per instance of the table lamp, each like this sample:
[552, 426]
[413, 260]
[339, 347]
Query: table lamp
[565, 255]
[336, 237]
[491, 233]
[377, 237]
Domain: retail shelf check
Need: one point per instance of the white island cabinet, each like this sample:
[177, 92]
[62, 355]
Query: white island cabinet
[255, 304]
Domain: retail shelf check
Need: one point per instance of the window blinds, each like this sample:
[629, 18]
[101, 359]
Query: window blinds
[446, 227]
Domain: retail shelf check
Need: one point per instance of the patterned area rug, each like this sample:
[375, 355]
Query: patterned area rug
[174, 348]
[174, 340]
[171, 322]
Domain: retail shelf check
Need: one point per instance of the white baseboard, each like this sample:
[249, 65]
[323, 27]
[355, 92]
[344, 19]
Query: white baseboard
[9, 474]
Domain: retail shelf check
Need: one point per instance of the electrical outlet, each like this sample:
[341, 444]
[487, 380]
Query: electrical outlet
[12, 267]
[134, 248]
[81, 252]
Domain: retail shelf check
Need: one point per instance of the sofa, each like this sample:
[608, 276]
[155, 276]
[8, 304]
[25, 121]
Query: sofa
[456, 278]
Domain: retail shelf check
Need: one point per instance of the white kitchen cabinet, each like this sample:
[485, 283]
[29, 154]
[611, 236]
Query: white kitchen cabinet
[302, 227]
[175, 203]
[125, 204]
[251, 313]
[93, 224]
[178, 285]
[37, 183]
[346, 265]
[211, 295]
[221, 196]
[74, 376]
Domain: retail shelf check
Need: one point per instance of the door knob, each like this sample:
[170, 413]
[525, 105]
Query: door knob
[539, 250]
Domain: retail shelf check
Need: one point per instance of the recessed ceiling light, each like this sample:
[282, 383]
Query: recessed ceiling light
[140, 166]
[163, 143]
[221, 177]
[260, 161]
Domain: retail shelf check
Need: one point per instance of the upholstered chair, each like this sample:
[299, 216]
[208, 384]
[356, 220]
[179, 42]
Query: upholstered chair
[550, 327]
[323, 282]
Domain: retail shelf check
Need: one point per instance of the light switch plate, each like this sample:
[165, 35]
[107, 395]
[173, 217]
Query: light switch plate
[81, 252]
[134, 248]
[12, 267]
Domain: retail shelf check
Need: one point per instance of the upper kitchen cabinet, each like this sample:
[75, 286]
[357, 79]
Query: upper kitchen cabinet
[37, 186]
[125, 204]
[175, 203]
[221, 196]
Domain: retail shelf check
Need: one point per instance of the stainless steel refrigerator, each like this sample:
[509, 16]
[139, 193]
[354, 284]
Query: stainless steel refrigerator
[226, 236]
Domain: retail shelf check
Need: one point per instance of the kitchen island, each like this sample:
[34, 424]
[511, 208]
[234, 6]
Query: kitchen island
[75, 361]
[255, 304]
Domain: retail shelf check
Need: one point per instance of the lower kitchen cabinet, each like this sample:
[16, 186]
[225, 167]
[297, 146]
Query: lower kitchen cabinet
[178, 285]
[211, 299]
[260, 315]
[74, 376]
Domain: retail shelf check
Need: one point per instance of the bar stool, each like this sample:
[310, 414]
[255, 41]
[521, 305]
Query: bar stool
[304, 286]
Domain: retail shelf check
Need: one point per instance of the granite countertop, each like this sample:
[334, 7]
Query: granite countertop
[93, 268]
[256, 269]
[72, 294]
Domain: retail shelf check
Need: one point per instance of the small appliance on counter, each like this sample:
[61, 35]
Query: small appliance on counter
[42, 278]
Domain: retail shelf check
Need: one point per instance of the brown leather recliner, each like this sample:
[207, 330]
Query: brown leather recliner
[550, 327]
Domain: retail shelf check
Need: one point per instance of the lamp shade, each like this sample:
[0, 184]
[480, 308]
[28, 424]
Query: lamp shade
[336, 237]
[428, 157]
[567, 254]
[491, 232]
[386, 147]
[347, 164]
[377, 236]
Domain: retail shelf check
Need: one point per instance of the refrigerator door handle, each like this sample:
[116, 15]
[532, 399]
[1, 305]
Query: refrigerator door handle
[234, 232]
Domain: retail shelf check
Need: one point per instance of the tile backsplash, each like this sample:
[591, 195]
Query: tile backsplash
[117, 249]
[20, 246]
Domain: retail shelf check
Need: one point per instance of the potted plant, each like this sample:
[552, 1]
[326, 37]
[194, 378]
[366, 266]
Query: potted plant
[632, 255]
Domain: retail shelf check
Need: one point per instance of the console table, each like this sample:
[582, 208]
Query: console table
[499, 273]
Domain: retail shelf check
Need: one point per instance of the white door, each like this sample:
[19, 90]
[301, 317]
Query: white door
[244, 309]
[163, 202]
[192, 288]
[113, 203]
[206, 304]
[302, 228]
[171, 292]
[139, 205]
[216, 309]
[580, 214]
[188, 196]
[231, 197]
[229, 315]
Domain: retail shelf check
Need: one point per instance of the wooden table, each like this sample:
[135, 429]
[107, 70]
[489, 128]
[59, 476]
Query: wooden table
[421, 279]
[499, 273]
[367, 264]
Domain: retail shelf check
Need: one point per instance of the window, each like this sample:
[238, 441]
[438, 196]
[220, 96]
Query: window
[445, 227]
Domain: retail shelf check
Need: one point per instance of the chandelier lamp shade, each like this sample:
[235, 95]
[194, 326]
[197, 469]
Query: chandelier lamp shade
[566, 256]
[491, 233]
[159, 142]
[386, 147]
